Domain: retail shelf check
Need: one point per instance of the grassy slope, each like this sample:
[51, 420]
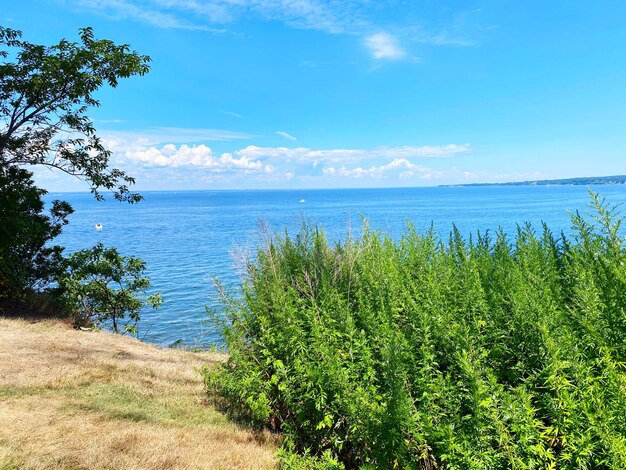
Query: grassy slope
[74, 399]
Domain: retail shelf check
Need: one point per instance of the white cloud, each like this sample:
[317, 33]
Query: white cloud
[384, 46]
[303, 154]
[136, 151]
[377, 171]
[196, 156]
[286, 135]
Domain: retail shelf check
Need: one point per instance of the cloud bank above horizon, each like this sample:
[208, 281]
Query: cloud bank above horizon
[145, 151]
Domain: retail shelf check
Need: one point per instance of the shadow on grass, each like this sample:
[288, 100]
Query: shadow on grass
[38, 306]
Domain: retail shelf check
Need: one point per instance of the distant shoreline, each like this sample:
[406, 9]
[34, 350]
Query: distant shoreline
[583, 181]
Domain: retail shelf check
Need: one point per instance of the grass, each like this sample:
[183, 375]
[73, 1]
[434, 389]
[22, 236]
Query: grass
[76, 399]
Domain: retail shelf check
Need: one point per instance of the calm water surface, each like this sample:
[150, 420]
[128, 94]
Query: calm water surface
[187, 238]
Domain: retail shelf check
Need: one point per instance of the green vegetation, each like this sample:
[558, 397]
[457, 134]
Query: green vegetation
[485, 353]
[28, 261]
[107, 286]
[45, 93]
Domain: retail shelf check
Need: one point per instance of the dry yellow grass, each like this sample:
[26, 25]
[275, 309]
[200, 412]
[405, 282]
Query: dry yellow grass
[75, 399]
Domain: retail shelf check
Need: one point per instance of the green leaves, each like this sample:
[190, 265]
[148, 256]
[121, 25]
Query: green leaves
[106, 286]
[45, 93]
[28, 260]
[481, 353]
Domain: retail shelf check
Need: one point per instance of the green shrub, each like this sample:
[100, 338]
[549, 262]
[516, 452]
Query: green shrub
[485, 353]
[105, 286]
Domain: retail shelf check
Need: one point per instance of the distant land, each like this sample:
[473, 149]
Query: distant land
[583, 181]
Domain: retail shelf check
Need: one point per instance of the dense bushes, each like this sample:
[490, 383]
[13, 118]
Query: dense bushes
[28, 259]
[480, 353]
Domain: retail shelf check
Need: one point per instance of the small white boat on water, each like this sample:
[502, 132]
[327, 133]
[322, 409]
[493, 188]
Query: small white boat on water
[302, 200]
[99, 227]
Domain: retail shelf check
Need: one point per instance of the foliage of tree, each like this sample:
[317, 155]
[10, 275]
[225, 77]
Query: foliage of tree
[28, 261]
[107, 287]
[45, 93]
[423, 353]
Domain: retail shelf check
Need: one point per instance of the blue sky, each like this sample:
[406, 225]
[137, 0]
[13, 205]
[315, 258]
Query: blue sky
[330, 93]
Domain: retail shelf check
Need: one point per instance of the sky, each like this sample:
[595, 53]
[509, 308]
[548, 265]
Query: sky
[259, 94]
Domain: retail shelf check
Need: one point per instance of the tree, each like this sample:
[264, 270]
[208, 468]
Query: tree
[27, 259]
[45, 93]
[106, 286]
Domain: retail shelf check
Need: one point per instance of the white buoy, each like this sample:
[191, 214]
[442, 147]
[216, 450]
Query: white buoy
[99, 227]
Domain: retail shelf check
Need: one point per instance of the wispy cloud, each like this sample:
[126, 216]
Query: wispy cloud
[384, 46]
[354, 17]
[158, 135]
[109, 121]
[312, 64]
[304, 155]
[325, 15]
[145, 13]
[286, 135]
[442, 38]
[233, 114]
[462, 29]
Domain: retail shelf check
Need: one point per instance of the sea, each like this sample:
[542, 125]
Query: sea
[191, 238]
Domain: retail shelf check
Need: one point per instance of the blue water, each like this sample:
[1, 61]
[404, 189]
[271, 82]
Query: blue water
[187, 238]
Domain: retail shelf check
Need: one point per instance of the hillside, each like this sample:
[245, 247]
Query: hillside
[77, 399]
[582, 181]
